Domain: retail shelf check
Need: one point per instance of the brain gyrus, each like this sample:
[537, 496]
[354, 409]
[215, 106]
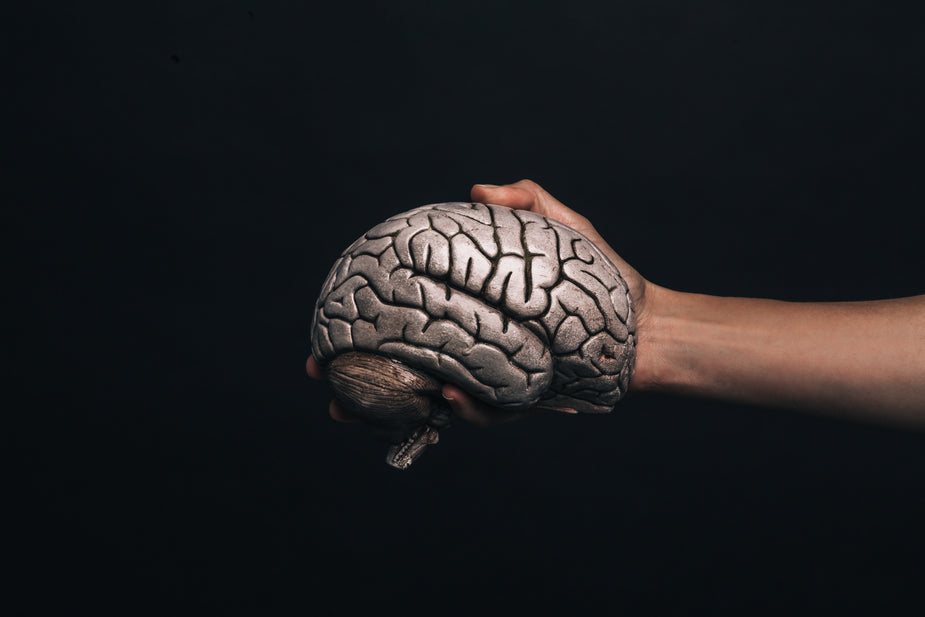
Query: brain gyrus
[515, 308]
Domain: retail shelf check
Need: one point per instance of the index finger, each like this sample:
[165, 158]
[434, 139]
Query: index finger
[313, 369]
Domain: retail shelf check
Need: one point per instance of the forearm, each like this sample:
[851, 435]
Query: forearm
[859, 359]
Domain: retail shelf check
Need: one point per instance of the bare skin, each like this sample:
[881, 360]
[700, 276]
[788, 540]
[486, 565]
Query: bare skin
[860, 360]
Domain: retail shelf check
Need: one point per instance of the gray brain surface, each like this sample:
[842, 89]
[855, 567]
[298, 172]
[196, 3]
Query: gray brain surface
[515, 308]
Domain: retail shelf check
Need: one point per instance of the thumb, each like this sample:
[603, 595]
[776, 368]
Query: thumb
[507, 195]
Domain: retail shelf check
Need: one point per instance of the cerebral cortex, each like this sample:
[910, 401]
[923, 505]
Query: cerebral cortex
[517, 309]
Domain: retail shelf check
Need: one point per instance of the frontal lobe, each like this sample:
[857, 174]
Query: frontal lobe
[513, 307]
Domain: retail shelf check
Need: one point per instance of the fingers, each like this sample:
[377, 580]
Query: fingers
[476, 412]
[462, 404]
[314, 371]
[336, 411]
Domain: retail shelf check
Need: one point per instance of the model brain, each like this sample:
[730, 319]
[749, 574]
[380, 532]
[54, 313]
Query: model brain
[515, 308]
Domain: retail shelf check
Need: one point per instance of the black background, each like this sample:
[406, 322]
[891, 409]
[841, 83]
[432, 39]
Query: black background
[182, 175]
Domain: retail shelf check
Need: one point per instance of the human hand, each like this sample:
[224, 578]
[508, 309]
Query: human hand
[528, 195]
[463, 405]
[522, 195]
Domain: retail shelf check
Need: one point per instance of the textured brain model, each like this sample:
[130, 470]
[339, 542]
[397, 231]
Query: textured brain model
[515, 308]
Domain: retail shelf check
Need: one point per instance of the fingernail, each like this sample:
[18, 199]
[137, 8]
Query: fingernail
[488, 186]
[449, 398]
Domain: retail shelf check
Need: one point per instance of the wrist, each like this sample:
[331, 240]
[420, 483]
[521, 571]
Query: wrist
[665, 346]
